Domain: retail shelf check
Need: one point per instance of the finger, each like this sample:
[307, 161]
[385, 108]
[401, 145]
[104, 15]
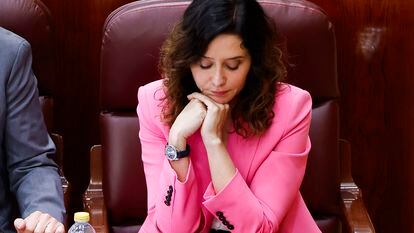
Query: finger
[196, 107]
[195, 102]
[60, 228]
[51, 226]
[42, 222]
[20, 225]
[204, 99]
[226, 107]
[199, 96]
[31, 221]
[190, 96]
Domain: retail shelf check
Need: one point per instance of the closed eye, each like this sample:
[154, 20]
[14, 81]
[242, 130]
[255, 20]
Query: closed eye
[204, 67]
[232, 67]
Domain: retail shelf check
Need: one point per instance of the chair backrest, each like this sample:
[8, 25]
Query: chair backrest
[131, 42]
[31, 20]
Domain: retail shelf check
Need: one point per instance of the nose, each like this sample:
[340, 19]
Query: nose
[219, 78]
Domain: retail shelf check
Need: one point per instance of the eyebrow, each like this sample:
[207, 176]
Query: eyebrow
[231, 58]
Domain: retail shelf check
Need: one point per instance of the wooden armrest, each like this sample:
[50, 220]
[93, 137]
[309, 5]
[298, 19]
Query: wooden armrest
[355, 212]
[93, 198]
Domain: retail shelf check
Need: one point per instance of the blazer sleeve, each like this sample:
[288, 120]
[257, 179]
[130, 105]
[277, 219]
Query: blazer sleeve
[262, 205]
[173, 206]
[33, 175]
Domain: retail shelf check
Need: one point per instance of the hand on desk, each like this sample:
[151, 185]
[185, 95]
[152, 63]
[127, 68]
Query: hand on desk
[39, 222]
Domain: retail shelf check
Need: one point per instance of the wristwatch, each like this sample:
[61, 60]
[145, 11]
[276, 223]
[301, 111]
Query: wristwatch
[173, 154]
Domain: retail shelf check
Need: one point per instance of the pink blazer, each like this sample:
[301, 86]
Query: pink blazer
[263, 196]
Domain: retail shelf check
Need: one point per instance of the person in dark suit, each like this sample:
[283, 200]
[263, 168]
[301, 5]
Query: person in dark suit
[30, 186]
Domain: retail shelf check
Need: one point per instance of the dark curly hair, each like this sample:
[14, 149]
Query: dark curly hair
[202, 21]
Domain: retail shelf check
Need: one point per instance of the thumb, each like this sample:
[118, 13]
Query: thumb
[20, 225]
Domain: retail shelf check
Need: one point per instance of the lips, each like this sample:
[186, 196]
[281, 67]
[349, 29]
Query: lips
[219, 93]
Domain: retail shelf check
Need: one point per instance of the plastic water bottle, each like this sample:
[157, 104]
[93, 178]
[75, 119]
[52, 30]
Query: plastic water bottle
[81, 224]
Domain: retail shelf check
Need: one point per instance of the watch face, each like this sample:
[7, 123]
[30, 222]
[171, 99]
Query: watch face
[171, 152]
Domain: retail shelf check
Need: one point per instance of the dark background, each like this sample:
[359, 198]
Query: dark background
[375, 42]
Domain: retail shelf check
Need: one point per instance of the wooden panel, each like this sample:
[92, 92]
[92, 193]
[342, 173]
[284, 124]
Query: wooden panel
[78, 30]
[375, 57]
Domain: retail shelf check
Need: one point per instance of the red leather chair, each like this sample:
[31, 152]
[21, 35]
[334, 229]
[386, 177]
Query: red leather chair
[31, 20]
[131, 41]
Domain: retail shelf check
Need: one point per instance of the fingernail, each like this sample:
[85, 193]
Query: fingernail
[19, 223]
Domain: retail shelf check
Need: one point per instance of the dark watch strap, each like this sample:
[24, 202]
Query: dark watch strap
[184, 153]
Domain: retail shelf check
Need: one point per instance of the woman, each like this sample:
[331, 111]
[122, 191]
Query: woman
[224, 142]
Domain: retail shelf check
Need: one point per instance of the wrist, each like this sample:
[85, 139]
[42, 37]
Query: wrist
[181, 168]
[214, 146]
[212, 140]
[176, 140]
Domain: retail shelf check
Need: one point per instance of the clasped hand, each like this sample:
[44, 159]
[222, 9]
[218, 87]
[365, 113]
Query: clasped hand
[205, 114]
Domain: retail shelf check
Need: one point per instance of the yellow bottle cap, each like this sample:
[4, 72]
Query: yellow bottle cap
[81, 217]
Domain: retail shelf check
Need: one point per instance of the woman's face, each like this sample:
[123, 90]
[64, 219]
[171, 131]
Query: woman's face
[221, 73]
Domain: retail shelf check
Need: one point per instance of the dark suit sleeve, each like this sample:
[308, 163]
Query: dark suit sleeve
[33, 175]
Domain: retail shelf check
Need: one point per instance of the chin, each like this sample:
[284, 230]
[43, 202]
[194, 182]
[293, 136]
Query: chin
[222, 102]
[219, 100]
